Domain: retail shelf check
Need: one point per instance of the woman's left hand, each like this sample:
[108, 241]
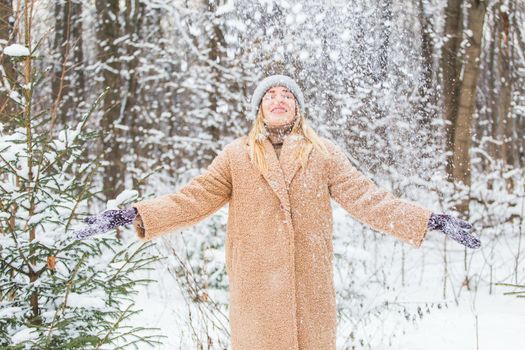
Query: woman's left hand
[456, 229]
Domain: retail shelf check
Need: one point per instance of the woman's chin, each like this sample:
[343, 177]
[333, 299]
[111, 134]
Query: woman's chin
[279, 121]
[277, 125]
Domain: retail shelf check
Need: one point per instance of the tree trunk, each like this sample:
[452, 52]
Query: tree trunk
[135, 17]
[113, 142]
[518, 51]
[467, 98]
[68, 79]
[492, 115]
[506, 122]
[8, 109]
[386, 22]
[216, 49]
[450, 67]
[427, 52]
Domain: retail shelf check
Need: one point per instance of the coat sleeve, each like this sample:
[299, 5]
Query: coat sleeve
[202, 196]
[372, 205]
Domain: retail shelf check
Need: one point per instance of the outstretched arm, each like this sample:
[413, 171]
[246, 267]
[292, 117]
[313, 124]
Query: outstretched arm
[384, 212]
[372, 205]
[201, 197]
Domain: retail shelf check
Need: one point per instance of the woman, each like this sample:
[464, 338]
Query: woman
[278, 181]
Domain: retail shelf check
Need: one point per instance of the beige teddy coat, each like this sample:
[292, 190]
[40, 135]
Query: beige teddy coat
[278, 244]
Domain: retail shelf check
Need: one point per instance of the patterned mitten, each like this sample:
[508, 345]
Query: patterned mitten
[456, 229]
[106, 221]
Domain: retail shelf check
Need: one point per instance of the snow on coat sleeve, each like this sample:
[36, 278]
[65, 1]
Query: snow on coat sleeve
[372, 205]
[202, 196]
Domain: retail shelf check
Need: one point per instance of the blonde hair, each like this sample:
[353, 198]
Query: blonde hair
[309, 140]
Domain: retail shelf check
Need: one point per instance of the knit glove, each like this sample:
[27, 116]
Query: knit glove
[106, 221]
[456, 229]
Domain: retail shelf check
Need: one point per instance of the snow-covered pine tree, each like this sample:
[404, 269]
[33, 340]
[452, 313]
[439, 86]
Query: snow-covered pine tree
[57, 292]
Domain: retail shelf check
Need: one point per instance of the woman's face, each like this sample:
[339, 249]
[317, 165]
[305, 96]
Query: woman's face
[278, 106]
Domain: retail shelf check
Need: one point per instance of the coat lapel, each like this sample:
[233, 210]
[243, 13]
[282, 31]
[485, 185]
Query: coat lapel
[282, 170]
[274, 176]
[289, 162]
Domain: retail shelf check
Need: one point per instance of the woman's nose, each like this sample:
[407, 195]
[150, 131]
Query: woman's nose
[281, 101]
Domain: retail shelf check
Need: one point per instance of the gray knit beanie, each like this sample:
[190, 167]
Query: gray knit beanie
[270, 81]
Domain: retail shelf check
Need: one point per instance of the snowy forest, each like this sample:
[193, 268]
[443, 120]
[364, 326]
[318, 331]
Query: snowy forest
[104, 103]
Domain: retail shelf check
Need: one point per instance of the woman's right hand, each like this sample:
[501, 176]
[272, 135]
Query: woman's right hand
[106, 221]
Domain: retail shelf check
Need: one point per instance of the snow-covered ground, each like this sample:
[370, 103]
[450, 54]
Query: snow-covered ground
[479, 321]
[465, 319]
[500, 324]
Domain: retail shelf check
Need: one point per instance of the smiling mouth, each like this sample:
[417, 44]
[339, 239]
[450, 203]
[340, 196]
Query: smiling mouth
[279, 110]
